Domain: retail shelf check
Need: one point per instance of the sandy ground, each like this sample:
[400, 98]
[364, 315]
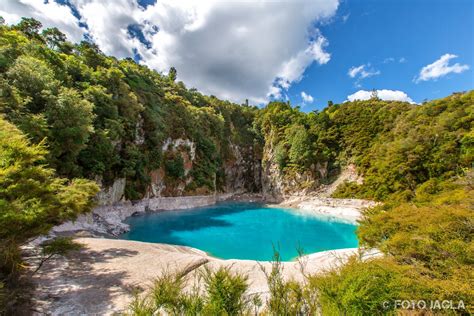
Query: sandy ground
[99, 279]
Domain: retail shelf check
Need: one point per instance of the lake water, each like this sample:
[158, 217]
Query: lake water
[244, 231]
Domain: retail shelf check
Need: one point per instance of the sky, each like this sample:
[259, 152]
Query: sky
[306, 51]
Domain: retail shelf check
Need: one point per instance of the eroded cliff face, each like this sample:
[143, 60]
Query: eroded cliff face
[243, 171]
[278, 184]
[241, 174]
[246, 169]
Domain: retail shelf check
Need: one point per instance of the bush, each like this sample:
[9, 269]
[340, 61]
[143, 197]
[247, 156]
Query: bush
[174, 167]
[223, 294]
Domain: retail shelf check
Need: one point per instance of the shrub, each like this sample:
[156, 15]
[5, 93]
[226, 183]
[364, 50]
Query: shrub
[174, 166]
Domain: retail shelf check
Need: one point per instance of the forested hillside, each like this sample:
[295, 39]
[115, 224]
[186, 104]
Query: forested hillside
[70, 113]
[106, 119]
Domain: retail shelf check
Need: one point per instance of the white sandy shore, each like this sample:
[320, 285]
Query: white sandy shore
[349, 210]
[99, 279]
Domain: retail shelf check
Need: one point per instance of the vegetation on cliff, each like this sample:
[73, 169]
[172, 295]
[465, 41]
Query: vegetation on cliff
[104, 118]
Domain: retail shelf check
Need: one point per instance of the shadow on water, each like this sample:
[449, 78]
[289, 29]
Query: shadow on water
[160, 226]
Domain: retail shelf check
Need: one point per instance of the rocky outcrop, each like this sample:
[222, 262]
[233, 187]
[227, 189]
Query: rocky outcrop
[163, 185]
[108, 219]
[112, 194]
[278, 185]
[243, 171]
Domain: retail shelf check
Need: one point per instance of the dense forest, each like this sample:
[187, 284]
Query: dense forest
[74, 120]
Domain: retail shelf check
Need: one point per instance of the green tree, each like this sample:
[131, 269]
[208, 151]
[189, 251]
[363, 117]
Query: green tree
[32, 198]
[172, 74]
[29, 27]
[34, 80]
[70, 119]
[54, 37]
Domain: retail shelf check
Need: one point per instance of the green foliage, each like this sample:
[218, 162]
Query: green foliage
[286, 297]
[70, 120]
[29, 26]
[32, 198]
[174, 167]
[105, 118]
[172, 74]
[431, 141]
[428, 249]
[361, 288]
[223, 294]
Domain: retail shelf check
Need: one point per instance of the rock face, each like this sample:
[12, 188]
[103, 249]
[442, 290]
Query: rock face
[108, 219]
[112, 194]
[243, 171]
[163, 185]
[277, 186]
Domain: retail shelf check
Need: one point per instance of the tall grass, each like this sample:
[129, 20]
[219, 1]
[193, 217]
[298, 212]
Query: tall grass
[222, 293]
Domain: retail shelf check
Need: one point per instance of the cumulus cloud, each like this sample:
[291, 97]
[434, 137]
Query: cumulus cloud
[50, 13]
[108, 22]
[384, 94]
[440, 68]
[307, 98]
[238, 49]
[233, 49]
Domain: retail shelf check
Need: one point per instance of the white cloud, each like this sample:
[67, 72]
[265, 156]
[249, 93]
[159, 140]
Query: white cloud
[440, 68]
[389, 60]
[232, 49]
[362, 72]
[107, 22]
[241, 49]
[307, 98]
[345, 17]
[51, 14]
[384, 94]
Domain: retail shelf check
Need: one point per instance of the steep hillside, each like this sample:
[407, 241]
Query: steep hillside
[142, 134]
[117, 122]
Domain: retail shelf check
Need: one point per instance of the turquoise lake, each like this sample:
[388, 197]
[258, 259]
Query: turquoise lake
[244, 231]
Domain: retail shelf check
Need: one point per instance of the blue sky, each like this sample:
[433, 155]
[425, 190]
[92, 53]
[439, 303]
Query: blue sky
[305, 51]
[375, 31]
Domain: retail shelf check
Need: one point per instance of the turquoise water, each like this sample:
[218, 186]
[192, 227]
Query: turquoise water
[243, 231]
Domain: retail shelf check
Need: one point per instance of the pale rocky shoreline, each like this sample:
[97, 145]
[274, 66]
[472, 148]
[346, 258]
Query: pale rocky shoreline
[100, 278]
[108, 220]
